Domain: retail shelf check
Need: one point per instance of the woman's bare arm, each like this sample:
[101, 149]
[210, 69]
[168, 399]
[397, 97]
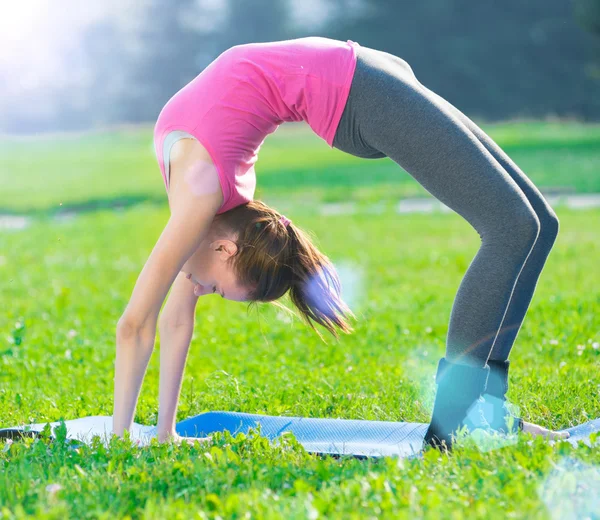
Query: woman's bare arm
[176, 326]
[190, 221]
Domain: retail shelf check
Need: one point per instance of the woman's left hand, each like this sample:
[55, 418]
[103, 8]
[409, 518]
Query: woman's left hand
[536, 430]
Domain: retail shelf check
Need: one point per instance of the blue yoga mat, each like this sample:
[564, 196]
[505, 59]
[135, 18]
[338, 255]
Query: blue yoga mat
[337, 436]
[322, 436]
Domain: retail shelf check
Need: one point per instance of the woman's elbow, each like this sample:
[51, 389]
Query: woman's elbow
[128, 329]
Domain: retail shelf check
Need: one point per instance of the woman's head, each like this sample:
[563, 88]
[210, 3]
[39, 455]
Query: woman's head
[259, 259]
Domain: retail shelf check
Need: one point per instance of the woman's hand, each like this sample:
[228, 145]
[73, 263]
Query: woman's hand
[197, 441]
[536, 430]
[177, 439]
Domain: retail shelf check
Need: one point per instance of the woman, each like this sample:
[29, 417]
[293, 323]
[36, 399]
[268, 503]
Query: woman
[218, 240]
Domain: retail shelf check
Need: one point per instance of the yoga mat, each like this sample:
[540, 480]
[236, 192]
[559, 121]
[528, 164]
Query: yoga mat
[321, 436]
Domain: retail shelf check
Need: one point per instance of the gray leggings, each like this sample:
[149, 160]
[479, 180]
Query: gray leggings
[389, 113]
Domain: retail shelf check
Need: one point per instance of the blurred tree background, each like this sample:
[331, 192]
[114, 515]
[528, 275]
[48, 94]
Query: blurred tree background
[494, 60]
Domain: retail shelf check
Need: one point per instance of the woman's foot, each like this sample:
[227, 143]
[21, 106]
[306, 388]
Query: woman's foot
[497, 412]
[457, 403]
[537, 430]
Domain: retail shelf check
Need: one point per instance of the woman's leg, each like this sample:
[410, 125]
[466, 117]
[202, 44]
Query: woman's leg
[549, 225]
[497, 384]
[396, 116]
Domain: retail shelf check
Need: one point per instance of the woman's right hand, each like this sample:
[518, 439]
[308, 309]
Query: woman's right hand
[178, 439]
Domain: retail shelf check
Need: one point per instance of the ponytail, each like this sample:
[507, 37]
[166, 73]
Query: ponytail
[275, 256]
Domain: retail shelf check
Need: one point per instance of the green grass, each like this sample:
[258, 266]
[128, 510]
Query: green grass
[295, 166]
[64, 286]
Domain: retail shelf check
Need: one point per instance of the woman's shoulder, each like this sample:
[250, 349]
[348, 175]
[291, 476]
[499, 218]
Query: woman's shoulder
[190, 159]
[189, 150]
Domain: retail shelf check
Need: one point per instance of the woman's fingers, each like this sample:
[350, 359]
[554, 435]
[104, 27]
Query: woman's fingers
[194, 440]
[536, 430]
[178, 439]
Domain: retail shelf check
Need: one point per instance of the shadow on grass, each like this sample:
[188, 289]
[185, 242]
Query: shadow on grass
[88, 206]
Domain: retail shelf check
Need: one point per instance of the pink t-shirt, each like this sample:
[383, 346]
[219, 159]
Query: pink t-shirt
[247, 92]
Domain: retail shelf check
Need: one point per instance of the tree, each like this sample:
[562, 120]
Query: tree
[587, 14]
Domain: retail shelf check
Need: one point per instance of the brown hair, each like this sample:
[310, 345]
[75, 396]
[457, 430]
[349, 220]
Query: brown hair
[273, 258]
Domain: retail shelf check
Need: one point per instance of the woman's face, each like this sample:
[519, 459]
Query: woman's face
[210, 272]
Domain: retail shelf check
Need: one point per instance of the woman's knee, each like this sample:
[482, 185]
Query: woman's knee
[527, 226]
[518, 228]
[549, 225]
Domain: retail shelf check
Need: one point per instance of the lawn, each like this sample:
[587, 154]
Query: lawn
[65, 285]
[295, 166]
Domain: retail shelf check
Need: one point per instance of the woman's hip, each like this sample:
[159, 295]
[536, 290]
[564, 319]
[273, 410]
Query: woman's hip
[377, 74]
